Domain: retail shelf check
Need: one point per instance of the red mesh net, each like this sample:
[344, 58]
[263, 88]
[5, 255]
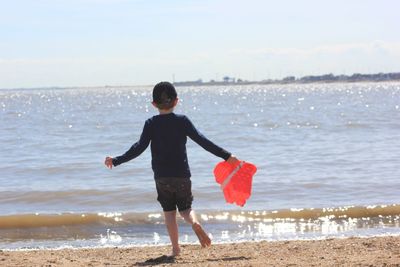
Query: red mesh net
[235, 180]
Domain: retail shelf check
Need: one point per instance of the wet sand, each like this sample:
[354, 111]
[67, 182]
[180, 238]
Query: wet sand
[375, 251]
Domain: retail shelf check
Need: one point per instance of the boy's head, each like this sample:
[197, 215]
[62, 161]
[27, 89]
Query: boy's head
[164, 95]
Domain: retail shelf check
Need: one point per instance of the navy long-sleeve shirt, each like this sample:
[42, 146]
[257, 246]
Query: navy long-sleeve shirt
[167, 134]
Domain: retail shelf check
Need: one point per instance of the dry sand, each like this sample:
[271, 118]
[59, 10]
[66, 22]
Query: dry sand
[375, 251]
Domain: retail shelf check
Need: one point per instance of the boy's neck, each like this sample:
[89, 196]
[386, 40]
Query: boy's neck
[166, 111]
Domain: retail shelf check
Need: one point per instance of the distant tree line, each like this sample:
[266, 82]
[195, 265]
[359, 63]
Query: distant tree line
[327, 78]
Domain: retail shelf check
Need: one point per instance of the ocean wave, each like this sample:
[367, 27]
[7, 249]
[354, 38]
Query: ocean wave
[121, 229]
[125, 219]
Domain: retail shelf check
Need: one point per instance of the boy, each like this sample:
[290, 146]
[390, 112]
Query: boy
[167, 133]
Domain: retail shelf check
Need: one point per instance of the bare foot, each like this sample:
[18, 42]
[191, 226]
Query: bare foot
[176, 252]
[205, 241]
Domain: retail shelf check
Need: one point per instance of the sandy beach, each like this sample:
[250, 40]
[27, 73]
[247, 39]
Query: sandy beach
[375, 251]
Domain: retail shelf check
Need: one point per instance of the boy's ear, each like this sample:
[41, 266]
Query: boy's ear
[176, 101]
[154, 104]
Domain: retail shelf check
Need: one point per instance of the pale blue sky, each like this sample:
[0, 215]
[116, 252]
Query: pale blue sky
[131, 42]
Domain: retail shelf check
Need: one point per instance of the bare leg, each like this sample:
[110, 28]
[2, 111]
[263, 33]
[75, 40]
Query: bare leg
[190, 217]
[172, 227]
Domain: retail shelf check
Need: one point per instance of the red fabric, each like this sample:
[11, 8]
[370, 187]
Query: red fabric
[238, 190]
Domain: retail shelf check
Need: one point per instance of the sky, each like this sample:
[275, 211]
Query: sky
[45, 43]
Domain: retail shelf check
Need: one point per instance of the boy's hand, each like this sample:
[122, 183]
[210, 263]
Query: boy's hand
[232, 160]
[108, 162]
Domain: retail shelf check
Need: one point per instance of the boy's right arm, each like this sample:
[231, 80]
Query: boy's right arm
[232, 160]
[205, 143]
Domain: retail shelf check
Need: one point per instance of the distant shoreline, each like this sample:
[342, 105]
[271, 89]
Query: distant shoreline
[311, 79]
[326, 78]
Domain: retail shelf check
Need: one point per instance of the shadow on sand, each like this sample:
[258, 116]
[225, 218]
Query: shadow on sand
[231, 259]
[170, 259]
[155, 261]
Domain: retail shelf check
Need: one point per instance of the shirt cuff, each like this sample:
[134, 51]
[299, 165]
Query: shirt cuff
[115, 162]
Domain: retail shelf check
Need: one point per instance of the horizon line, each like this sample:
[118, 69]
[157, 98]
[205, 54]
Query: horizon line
[293, 79]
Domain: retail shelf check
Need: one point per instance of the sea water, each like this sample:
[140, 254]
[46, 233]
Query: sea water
[327, 156]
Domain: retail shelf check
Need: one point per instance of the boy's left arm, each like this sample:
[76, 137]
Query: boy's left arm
[108, 162]
[135, 150]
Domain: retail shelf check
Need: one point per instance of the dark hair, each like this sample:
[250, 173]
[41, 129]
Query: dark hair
[164, 95]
